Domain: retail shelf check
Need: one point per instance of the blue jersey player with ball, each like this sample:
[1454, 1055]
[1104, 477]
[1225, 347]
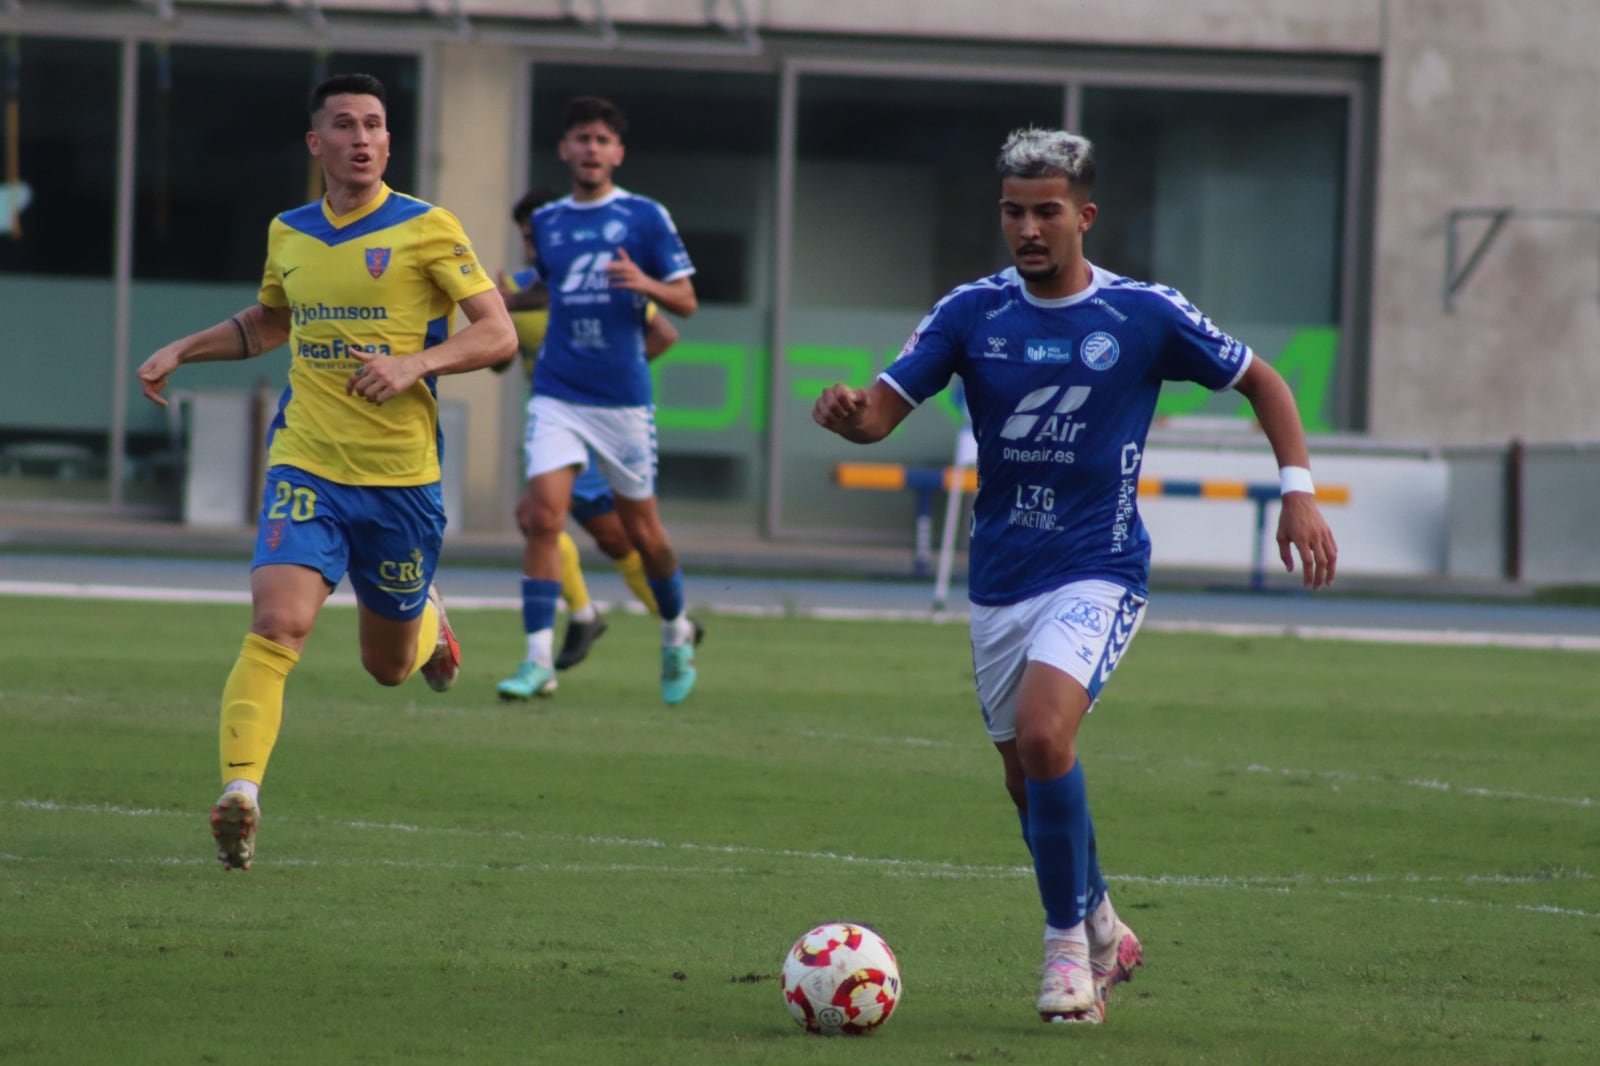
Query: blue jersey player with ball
[1062, 362]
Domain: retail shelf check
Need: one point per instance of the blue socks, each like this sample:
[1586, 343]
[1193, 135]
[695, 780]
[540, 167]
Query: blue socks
[1059, 834]
[539, 604]
[668, 592]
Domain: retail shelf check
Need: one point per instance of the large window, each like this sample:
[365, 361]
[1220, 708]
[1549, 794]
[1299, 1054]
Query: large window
[219, 148]
[57, 218]
[1237, 199]
[222, 150]
[895, 203]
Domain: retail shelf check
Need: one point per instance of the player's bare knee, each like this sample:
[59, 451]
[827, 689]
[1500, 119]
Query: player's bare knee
[1045, 754]
[283, 628]
[385, 669]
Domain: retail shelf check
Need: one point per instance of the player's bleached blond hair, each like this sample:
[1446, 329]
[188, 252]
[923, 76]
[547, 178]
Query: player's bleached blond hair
[1032, 152]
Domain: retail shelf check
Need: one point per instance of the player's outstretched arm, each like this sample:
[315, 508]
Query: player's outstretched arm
[862, 416]
[249, 333]
[1301, 527]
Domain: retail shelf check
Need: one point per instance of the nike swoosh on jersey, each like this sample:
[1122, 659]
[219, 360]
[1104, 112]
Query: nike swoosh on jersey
[291, 270]
[413, 603]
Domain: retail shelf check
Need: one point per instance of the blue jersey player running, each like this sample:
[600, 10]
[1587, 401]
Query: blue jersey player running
[363, 285]
[1062, 363]
[604, 254]
[593, 503]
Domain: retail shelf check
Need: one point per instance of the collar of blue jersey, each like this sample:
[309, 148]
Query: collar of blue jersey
[1097, 279]
[341, 221]
[590, 205]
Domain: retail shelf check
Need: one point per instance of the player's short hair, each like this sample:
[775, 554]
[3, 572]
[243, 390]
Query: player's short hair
[582, 109]
[531, 201]
[355, 84]
[1032, 152]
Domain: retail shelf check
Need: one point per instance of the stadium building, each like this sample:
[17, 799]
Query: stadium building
[1394, 201]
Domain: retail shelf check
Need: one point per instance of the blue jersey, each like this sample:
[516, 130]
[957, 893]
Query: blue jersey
[594, 348]
[1061, 394]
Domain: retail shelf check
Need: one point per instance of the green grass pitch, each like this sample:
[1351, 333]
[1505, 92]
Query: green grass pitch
[1334, 852]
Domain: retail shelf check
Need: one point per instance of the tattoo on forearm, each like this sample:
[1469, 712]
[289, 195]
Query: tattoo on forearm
[244, 344]
[249, 332]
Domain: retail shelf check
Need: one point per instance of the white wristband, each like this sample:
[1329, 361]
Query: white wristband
[1294, 479]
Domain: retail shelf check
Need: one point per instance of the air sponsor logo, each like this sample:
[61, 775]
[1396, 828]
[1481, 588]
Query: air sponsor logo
[1048, 351]
[586, 281]
[1044, 418]
[1099, 351]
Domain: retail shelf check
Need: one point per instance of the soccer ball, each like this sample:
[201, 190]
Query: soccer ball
[841, 978]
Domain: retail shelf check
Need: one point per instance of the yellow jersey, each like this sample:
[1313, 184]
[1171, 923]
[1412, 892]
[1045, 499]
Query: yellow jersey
[530, 325]
[384, 279]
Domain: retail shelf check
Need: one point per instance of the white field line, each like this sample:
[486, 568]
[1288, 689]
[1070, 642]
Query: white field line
[1338, 777]
[1369, 634]
[892, 867]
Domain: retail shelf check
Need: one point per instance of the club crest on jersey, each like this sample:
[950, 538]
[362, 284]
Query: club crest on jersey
[1099, 351]
[613, 231]
[377, 261]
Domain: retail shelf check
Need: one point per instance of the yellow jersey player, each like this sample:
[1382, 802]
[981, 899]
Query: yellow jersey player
[363, 285]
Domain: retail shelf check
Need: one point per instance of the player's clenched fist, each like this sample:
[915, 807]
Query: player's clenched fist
[839, 406]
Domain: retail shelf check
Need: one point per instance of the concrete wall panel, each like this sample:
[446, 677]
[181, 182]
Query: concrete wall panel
[1486, 104]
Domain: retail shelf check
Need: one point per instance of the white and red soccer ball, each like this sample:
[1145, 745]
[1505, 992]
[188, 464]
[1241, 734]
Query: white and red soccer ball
[841, 978]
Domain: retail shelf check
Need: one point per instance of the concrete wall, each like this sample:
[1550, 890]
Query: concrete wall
[472, 176]
[1293, 25]
[1487, 104]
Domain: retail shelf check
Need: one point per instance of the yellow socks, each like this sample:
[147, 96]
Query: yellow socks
[427, 636]
[632, 570]
[573, 588]
[252, 708]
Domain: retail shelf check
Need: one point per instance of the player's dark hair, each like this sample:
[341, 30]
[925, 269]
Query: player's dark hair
[582, 109]
[531, 201]
[354, 84]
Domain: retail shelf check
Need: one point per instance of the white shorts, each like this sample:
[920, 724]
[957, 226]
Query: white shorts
[623, 440]
[1081, 629]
